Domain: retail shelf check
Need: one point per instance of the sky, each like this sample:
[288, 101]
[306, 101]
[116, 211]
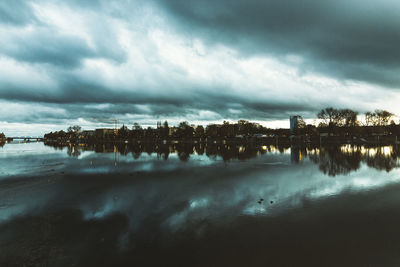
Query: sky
[88, 62]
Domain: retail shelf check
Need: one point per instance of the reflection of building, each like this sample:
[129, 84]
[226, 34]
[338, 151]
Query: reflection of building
[297, 154]
[294, 123]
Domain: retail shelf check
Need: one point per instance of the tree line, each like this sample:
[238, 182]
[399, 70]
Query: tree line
[227, 129]
[346, 117]
[339, 122]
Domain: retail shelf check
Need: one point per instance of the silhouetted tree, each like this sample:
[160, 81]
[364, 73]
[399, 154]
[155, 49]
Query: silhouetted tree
[369, 118]
[328, 115]
[136, 126]
[185, 130]
[137, 131]
[212, 130]
[383, 117]
[348, 117]
[123, 132]
[150, 132]
[227, 129]
[301, 124]
[74, 129]
[244, 127]
[199, 131]
[164, 130]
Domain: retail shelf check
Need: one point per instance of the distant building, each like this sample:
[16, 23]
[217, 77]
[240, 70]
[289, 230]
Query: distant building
[294, 123]
[88, 133]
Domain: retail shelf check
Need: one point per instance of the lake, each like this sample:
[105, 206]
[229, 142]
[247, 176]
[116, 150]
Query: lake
[198, 205]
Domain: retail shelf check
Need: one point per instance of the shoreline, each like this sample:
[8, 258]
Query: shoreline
[277, 141]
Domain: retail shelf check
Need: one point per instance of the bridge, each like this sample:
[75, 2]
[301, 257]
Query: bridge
[26, 139]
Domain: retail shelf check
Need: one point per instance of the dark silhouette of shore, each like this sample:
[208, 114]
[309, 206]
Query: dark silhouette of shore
[336, 126]
[331, 159]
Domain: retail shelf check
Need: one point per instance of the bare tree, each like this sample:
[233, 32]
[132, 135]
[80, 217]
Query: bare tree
[383, 117]
[74, 129]
[348, 117]
[327, 115]
[369, 118]
[136, 126]
[301, 124]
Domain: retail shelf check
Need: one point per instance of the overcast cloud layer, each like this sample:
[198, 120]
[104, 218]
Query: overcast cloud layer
[86, 62]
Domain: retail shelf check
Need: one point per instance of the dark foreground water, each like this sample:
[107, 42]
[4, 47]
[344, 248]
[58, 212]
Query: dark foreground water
[186, 205]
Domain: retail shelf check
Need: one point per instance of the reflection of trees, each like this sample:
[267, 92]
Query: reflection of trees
[163, 151]
[73, 151]
[122, 149]
[234, 151]
[199, 148]
[383, 159]
[136, 151]
[183, 150]
[333, 160]
[342, 160]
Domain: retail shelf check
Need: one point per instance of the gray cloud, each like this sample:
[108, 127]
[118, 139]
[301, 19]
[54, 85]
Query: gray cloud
[16, 12]
[140, 61]
[347, 39]
[134, 111]
[48, 47]
[46, 44]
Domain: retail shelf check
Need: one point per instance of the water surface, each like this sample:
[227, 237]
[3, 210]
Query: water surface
[191, 204]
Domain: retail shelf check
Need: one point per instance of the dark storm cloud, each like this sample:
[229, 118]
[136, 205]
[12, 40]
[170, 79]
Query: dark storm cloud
[44, 43]
[106, 62]
[48, 47]
[134, 111]
[348, 39]
[16, 12]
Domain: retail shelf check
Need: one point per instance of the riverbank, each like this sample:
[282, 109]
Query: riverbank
[276, 140]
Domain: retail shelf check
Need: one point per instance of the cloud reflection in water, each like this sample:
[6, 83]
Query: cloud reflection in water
[153, 198]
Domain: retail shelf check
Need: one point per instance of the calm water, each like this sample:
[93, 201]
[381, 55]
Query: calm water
[149, 205]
